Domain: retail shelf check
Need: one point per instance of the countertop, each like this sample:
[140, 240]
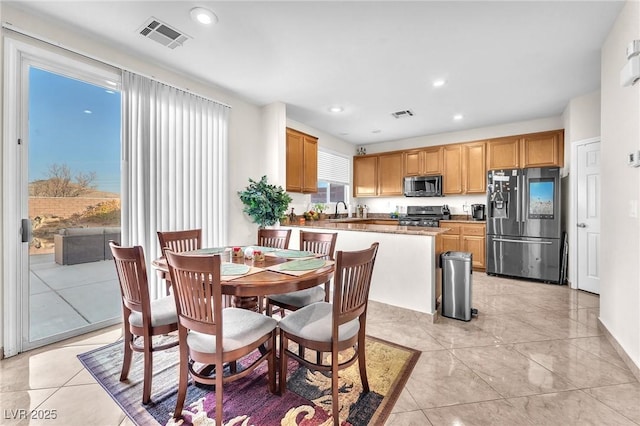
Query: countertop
[355, 224]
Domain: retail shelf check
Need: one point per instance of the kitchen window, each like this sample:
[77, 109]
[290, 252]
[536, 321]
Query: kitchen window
[333, 178]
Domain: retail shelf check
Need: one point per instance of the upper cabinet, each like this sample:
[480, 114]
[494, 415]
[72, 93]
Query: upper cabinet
[390, 174]
[474, 168]
[378, 175]
[545, 149]
[365, 176]
[302, 162]
[426, 161]
[452, 169]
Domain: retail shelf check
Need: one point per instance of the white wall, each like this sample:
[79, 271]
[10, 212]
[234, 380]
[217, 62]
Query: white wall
[456, 203]
[620, 233]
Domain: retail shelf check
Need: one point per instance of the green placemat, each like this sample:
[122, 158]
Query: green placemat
[262, 248]
[302, 265]
[234, 269]
[292, 254]
[212, 250]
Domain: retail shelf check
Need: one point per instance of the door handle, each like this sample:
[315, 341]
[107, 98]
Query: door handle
[582, 225]
[506, 240]
[25, 230]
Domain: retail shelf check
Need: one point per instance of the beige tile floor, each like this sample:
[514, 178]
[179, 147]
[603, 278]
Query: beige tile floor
[534, 355]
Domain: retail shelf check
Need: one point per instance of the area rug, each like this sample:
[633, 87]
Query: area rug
[247, 401]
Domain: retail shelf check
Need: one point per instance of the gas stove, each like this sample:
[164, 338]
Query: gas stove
[425, 216]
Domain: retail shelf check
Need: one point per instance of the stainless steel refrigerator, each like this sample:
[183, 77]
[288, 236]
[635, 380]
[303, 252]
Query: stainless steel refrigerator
[524, 235]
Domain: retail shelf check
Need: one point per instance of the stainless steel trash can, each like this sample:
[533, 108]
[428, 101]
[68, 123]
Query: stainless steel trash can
[456, 285]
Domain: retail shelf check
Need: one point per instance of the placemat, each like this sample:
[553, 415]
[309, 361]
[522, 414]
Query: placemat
[212, 250]
[262, 248]
[292, 254]
[249, 271]
[298, 273]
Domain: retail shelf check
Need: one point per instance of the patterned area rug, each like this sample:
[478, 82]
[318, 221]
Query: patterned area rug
[247, 401]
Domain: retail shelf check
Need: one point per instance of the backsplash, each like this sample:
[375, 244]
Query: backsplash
[458, 204]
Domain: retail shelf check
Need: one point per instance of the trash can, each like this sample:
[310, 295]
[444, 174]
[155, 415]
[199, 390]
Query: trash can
[456, 285]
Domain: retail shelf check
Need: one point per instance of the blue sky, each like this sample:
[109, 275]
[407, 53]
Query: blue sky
[62, 131]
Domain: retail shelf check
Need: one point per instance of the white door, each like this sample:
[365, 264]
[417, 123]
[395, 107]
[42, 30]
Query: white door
[588, 217]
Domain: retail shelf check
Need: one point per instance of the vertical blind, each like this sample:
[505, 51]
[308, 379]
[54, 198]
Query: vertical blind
[174, 165]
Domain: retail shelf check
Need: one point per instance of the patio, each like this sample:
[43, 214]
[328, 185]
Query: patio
[67, 297]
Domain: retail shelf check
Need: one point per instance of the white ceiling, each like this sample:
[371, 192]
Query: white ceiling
[503, 61]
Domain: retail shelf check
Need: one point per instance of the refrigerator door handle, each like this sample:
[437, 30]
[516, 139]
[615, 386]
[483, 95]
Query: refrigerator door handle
[523, 195]
[518, 198]
[506, 240]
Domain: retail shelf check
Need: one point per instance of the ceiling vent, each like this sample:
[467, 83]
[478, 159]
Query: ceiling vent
[163, 33]
[403, 114]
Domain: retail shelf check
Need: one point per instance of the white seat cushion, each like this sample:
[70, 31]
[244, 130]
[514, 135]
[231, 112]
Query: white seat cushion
[240, 327]
[300, 298]
[163, 312]
[314, 322]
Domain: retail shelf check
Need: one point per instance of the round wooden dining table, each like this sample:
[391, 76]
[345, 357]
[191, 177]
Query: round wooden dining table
[246, 289]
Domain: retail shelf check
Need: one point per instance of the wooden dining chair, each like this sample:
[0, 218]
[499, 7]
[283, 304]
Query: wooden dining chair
[276, 238]
[333, 327]
[211, 335]
[321, 243]
[142, 318]
[180, 241]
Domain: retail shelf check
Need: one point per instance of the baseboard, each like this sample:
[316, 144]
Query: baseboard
[627, 360]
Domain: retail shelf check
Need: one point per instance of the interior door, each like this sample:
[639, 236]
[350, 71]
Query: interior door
[588, 217]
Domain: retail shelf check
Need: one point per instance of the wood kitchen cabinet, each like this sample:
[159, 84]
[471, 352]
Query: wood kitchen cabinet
[452, 169]
[474, 168]
[390, 174]
[464, 236]
[302, 162]
[378, 175]
[427, 161]
[544, 149]
[365, 176]
[464, 170]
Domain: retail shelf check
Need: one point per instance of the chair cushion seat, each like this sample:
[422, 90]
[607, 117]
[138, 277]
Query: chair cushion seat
[314, 322]
[163, 312]
[300, 298]
[240, 328]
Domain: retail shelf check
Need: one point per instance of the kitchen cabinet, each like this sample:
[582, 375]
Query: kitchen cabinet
[503, 153]
[390, 174]
[464, 170]
[301, 162]
[378, 175]
[474, 168]
[365, 176]
[543, 149]
[452, 169]
[464, 236]
[427, 161]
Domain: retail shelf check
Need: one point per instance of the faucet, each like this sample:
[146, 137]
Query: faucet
[335, 215]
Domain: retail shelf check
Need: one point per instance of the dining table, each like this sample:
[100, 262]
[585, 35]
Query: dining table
[248, 278]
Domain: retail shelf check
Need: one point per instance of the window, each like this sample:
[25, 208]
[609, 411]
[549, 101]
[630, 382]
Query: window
[333, 178]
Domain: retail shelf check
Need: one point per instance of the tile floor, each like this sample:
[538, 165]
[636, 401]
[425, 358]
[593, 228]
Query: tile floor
[534, 355]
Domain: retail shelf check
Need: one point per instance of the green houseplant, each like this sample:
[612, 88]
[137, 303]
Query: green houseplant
[265, 203]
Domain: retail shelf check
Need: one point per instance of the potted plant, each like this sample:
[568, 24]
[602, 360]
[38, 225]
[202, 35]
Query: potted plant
[265, 203]
[319, 208]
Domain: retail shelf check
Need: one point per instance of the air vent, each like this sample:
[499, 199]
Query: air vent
[163, 33]
[403, 114]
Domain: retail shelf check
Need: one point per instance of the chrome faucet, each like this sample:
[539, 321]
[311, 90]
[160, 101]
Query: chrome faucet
[335, 215]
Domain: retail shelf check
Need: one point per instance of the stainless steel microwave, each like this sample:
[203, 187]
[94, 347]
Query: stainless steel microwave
[423, 186]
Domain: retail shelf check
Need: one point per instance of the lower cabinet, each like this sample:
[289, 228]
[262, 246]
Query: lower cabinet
[462, 236]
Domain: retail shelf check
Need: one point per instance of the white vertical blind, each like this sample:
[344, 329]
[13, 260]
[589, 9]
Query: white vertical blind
[174, 162]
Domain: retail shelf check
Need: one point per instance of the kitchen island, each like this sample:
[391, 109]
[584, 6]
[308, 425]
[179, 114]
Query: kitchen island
[405, 270]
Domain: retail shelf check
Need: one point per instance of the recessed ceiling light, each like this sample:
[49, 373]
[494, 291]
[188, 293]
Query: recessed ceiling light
[376, 131]
[203, 16]
[458, 117]
[336, 108]
[438, 83]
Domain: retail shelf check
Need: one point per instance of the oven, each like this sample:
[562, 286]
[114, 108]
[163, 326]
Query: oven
[428, 216]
